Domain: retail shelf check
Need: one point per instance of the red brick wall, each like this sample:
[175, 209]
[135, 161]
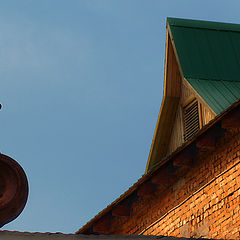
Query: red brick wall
[202, 203]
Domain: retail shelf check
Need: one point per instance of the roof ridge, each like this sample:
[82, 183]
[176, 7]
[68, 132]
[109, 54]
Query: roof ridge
[203, 24]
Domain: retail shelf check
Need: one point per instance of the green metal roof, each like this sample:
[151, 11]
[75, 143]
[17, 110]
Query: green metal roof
[209, 55]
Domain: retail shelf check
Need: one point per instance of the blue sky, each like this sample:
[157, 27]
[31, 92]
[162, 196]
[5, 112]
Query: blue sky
[81, 88]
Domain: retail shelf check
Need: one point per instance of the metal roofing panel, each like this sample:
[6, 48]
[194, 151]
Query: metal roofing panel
[218, 94]
[209, 55]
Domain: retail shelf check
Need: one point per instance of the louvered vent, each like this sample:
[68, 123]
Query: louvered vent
[191, 120]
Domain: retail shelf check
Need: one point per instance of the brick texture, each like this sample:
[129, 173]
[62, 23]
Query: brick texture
[204, 202]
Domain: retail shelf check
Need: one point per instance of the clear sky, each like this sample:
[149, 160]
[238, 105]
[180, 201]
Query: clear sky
[81, 88]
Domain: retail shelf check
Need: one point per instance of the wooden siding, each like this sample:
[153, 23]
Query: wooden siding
[205, 116]
[177, 132]
[187, 94]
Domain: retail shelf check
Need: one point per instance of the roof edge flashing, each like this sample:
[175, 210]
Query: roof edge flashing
[211, 25]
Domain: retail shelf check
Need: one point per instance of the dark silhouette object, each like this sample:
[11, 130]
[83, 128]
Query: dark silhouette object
[13, 189]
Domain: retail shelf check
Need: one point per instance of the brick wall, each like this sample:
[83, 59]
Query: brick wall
[204, 202]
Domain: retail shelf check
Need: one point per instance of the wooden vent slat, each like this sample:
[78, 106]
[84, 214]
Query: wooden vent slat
[191, 120]
[193, 109]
